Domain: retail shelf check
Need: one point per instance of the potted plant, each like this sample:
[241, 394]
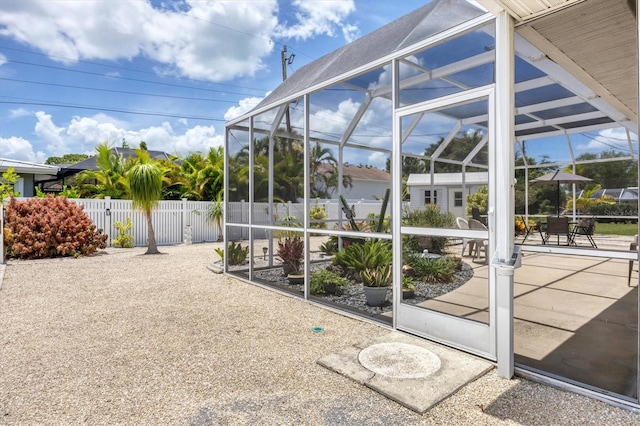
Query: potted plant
[376, 281]
[326, 282]
[408, 288]
[291, 253]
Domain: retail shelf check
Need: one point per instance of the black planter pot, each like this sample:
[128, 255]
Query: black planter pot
[295, 278]
[408, 294]
[330, 288]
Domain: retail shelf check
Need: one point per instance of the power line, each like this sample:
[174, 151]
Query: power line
[130, 69]
[116, 91]
[129, 78]
[107, 109]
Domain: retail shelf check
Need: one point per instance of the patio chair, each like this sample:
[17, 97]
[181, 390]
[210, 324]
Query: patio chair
[475, 214]
[586, 227]
[463, 224]
[527, 229]
[558, 226]
[479, 243]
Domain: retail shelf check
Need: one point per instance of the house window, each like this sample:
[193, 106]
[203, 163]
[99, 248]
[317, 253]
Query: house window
[431, 197]
[457, 199]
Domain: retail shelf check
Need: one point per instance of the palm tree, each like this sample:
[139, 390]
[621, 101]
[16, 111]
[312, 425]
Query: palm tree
[203, 175]
[145, 183]
[216, 214]
[109, 179]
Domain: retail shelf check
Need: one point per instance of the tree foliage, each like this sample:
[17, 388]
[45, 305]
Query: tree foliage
[66, 159]
[109, 179]
[9, 178]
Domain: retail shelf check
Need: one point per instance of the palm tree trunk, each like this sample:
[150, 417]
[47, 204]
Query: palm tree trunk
[152, 246]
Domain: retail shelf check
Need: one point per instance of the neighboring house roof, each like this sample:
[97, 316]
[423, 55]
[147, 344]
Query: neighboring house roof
[28, 167]
[357, 172]
[448, 179]
[90, 163]
[619, 194]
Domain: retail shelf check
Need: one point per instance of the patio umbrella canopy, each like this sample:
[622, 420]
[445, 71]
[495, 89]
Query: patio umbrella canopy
[559, 177]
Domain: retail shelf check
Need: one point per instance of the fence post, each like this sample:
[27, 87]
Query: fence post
[243, 206]
[107, 212]
[184, 223]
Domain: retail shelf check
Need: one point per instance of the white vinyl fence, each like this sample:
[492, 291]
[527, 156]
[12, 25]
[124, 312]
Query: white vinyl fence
[238, 213]
[171, 219]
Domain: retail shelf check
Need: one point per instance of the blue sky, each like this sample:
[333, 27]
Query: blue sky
[77, 73]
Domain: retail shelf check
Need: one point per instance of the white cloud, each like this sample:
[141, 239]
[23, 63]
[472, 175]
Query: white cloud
[609, 139]
[378, 159]
[243, 106]
[19, 112]
[83, 134]
[16, 148]
[319, 17]
[48, 131]
[3, 59]
[206, 40]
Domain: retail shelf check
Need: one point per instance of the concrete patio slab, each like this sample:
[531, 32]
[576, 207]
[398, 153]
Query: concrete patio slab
[413, 372]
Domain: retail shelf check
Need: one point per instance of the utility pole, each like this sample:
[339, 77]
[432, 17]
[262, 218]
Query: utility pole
[286, 61]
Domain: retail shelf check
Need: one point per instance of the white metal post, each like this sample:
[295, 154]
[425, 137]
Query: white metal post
[396, 192]
[503, 191]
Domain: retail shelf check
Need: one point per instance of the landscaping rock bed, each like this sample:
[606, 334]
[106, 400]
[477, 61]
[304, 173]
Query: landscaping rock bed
[352, 295]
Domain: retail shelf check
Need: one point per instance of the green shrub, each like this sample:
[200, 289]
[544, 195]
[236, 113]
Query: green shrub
[430, 217]
[124, 239]
[330, 247]
[50, 227]
[317, 212]
[382, 276]
[623, 209]
[290, 222]
[237, 254]
[408, 283]
[432, 270]
[371, 254]
[322, 277]
[9, 178]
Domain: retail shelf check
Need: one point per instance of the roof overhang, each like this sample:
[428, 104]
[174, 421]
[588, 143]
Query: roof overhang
[527, 10]
[26, 167]
[596, 41]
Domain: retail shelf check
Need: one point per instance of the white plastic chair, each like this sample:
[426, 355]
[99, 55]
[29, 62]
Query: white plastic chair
[463, 224]
[480, 243]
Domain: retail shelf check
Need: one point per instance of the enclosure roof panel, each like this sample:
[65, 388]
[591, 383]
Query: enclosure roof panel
[418, 25]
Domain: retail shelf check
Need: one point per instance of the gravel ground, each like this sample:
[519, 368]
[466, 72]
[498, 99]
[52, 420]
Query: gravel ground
[125, 339]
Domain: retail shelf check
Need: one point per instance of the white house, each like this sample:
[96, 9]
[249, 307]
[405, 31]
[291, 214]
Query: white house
[367, 182]
[28, 174]
[448, 190]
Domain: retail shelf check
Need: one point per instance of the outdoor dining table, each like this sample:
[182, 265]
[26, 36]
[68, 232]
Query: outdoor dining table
[558, 226]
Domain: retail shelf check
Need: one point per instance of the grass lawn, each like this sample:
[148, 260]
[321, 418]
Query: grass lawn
[617, 228]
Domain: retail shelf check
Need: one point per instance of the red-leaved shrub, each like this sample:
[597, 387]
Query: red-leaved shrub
[50, 227]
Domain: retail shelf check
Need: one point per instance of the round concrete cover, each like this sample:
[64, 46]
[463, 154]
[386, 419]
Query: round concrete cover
[399, 360]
